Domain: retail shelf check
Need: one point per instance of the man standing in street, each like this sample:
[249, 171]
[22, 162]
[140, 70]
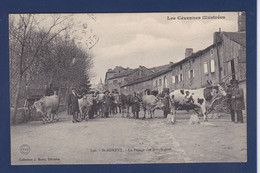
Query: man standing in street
[135, 105]
[166, 103]
[73, 105]
[237, 104]
[106, 104]
[229, 100]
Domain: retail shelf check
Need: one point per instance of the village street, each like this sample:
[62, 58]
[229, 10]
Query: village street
[128, 140]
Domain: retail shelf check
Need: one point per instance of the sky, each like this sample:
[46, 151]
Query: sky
[151, 39]
[147, 39]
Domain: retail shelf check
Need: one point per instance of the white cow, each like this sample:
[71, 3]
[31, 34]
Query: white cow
[48, 106]
[85, 104]
[194, 99]
[150, 103]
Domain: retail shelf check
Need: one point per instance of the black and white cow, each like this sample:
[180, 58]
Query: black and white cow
[123, 102]
[197, 100]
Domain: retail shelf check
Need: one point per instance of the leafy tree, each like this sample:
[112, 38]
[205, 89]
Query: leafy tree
[27, 39]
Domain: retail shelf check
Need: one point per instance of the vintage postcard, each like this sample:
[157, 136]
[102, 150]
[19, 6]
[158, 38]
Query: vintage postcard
[128, 88]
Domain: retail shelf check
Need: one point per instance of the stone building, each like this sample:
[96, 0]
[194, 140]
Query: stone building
[144, 85]
[118, 79]
[220, 62]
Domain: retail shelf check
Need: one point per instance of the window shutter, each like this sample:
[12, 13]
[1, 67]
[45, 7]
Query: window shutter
[205, 68]
[173, 79]
[212, 66]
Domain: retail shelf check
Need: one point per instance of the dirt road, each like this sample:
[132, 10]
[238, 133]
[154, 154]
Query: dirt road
[127, 140]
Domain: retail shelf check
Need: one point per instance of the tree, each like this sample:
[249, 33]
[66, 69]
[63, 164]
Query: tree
[27, 39]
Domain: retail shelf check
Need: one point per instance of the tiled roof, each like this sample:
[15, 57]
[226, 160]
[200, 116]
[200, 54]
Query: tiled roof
[125, 73]
[160, 68]
[238, 37]
[194, 55]
[148, 77]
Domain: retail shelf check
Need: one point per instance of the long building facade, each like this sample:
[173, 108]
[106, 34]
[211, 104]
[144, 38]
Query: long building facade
[220, 62]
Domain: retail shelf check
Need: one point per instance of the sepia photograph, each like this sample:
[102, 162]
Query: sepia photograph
[128, 88]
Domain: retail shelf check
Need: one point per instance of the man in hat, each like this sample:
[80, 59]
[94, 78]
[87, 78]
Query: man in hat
[112, 105]
[135, 105]
[166, 103]
[237, 101]
[106, 104]
[73, 105]
[229, 100]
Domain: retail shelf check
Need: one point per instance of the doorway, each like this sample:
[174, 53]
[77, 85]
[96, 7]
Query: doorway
[233, 69]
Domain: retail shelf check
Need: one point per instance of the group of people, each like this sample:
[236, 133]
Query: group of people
[103, 104]
[110, 103]
[106, 103]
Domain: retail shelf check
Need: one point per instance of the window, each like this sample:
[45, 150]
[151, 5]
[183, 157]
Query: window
[211, 51]
[191, 74]
[160, 82]
[115, 82]
[176, 79]
[180, 77]
[165, 82]
[212, 66]
[156, 83]
[173, 79]
[205, 68]
[180, 66]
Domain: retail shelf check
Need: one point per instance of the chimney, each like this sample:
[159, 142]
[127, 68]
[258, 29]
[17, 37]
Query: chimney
[242, 21]
[188, 52]
[171, 63]
[216, 37]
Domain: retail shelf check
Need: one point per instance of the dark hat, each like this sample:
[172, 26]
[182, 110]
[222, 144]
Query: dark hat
[106, 92]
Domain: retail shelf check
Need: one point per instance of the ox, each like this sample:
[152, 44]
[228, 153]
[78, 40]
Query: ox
[198, 99]
[48, 106]
[123, 103]
[150, 103]
[85, 104]
[98, 107]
